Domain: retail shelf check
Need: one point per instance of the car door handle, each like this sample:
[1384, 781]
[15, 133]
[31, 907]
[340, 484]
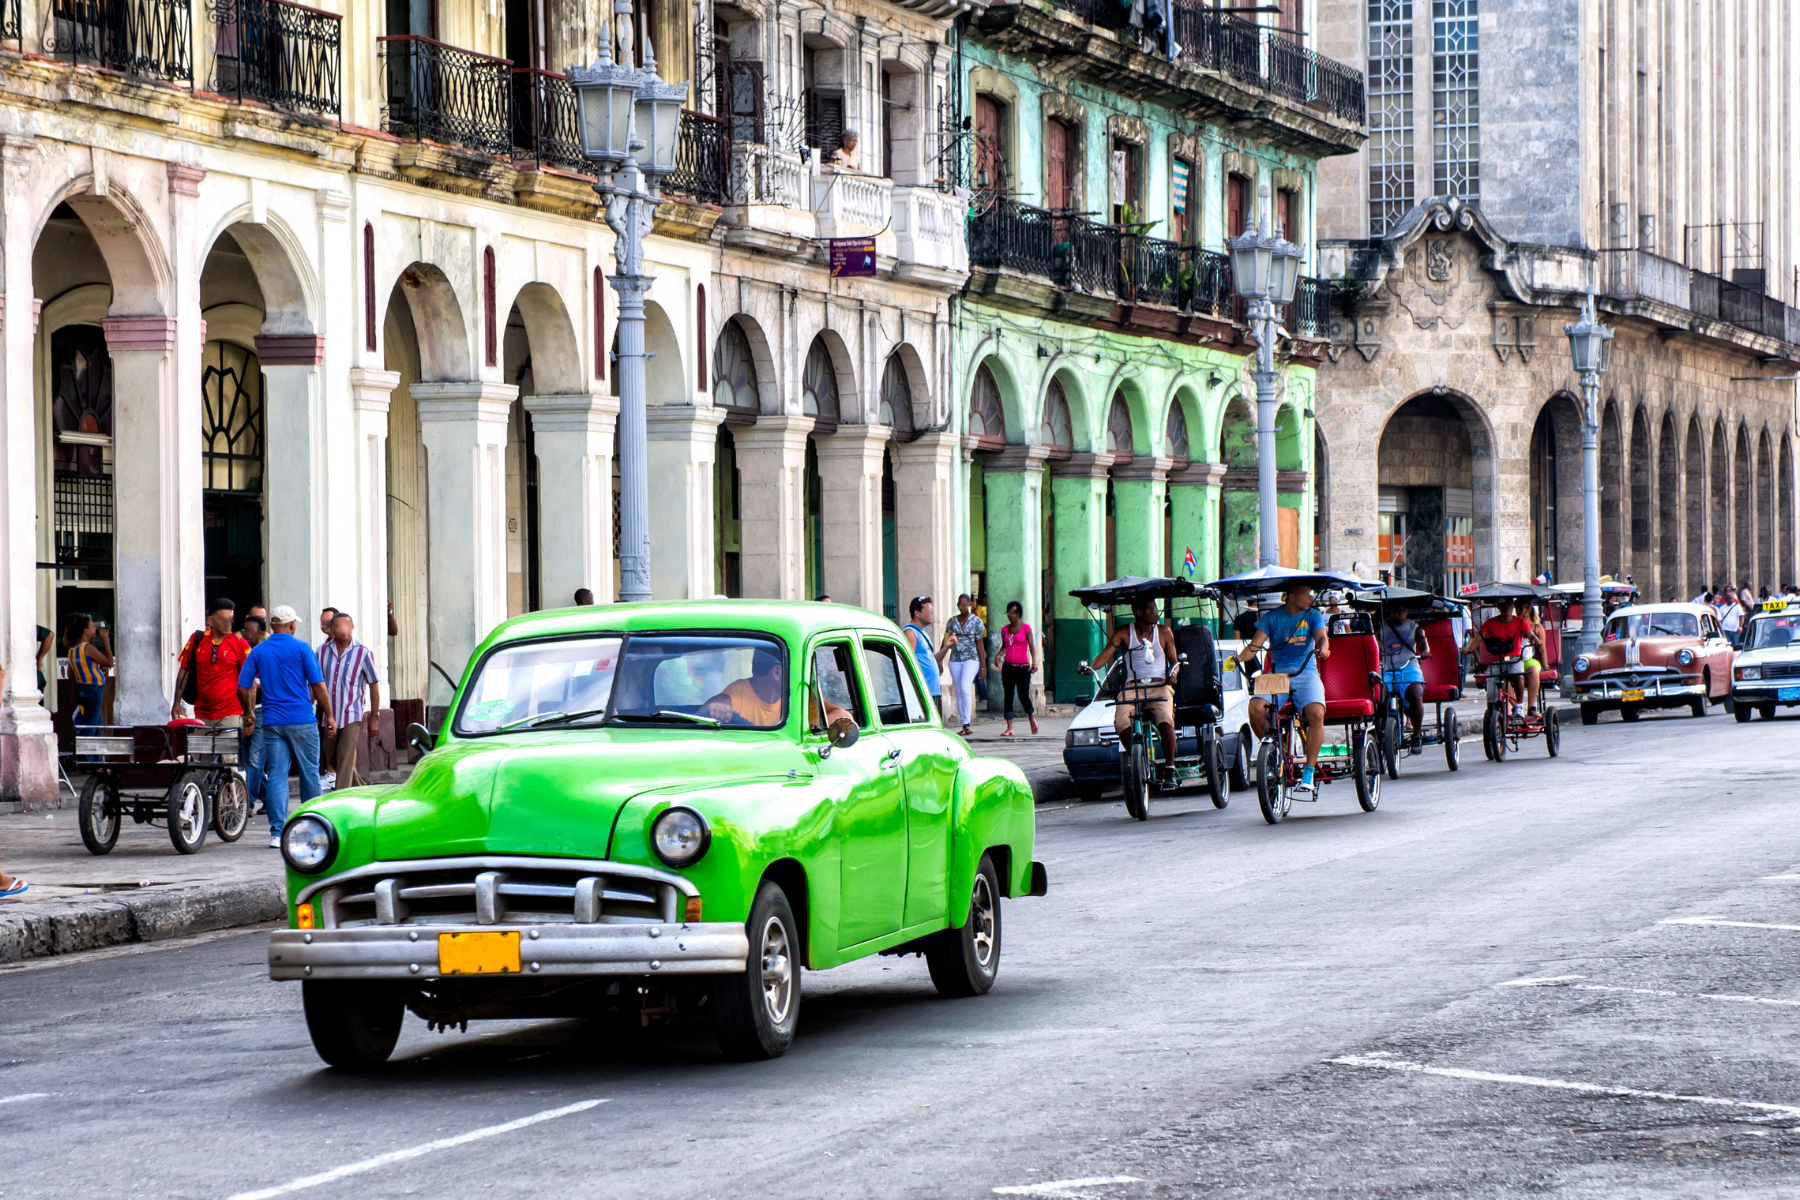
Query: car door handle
[891, 758]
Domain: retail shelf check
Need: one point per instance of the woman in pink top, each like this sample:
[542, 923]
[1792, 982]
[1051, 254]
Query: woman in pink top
[1017, 661]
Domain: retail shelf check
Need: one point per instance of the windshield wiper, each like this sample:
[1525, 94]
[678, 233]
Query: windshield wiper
[668, 714]
[550, 718]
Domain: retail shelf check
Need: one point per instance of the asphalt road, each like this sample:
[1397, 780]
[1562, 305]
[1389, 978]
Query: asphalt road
[1202, 1006]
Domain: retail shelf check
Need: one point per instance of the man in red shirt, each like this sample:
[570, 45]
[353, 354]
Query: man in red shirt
[212, 658]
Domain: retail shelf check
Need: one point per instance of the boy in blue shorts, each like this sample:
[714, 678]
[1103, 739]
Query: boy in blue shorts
[1403, 644]
[1287, 631]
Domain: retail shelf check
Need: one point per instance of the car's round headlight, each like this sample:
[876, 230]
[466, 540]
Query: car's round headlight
[309, 843]
[1685, 657]
[680, 836]
[1581, 664]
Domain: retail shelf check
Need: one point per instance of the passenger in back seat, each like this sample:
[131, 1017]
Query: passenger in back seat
[1403, 644]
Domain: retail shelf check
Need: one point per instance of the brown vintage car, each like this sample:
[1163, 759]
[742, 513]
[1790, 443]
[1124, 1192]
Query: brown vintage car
[1655, 656]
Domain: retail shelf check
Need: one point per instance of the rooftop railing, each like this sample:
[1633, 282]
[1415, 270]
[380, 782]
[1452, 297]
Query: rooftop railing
[279, 53]
[446, 94]
[152, 38]
[1642, 275]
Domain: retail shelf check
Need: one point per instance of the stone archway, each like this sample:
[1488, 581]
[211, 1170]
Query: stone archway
[1640, 565]
[1668, 512]
[1720, 505]
[1743, 559]
[1765, 516]
[1436, 509]
[1697, 581]
[1612, 488]
[1555, 486]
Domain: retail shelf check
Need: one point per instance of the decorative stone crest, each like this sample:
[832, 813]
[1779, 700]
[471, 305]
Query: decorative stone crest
[1438, 286]
[1437, 260]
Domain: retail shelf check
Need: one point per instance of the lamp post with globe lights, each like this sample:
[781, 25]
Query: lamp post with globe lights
[1590, 349]
[1265, 269]
[630, 124]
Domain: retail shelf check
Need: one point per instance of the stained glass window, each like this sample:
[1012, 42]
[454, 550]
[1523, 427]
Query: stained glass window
[819, 386]
[1455, 95]
[986, 419]
[1176, 434]
[1390, 113]
[231, 419]
[1056, 431]
[896, 398]
[1118, 427]
[734, 373]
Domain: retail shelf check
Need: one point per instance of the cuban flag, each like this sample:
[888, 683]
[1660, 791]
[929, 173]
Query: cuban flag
[1188, 562]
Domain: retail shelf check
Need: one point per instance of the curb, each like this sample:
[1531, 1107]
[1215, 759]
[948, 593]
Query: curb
[195, 908]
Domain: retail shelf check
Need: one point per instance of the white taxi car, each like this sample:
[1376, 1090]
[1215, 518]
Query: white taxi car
[1765, 675]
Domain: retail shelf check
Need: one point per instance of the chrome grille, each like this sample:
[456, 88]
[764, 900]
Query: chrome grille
[1782, 671]
[513, 891]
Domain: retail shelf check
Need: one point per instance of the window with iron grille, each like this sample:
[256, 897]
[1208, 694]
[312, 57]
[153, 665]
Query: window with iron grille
[1390, 113]
[1455, 95]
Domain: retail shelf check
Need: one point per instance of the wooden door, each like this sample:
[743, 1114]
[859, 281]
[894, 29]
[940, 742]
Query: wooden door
[990, 145]
[1284, 214]
[1181, 207]
[1237, 205]
[1059, 190]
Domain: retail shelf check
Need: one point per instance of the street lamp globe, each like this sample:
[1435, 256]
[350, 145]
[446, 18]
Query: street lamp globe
[606, 93]
[1285, 267]
[1252, 263]
[659, 123]
[1589, 341]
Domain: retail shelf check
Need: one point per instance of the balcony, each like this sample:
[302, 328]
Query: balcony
[849, 204]
[763, 175]
[1309, 316]
[443, 94]
[1638, 275]
[281, 54]
[546, 121]
[928, 230]
[702, 160]
[1641, 275]
[151, 38]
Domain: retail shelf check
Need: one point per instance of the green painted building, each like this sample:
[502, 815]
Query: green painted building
[1109, 425]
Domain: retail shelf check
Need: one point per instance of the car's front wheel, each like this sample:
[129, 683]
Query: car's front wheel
[966, 961]
[354, 1025]
[755, 1013]
[1742, 713]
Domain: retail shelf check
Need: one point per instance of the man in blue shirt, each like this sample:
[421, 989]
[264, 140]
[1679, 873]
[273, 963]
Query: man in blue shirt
[288, 671]
[1292, 632]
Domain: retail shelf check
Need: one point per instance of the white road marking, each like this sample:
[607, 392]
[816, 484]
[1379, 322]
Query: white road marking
[394, 1156]
[23, 1096]
[1727, 924]
[1767, 878]
[1060, 1187]
[1383, 1063]
[1567, 981]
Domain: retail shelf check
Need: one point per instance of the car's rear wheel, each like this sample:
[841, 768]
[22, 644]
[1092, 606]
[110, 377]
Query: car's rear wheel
[966, 961]
[755, 1013]
[1629, 712]
[353, 1025]
[1742, 713]
[1089, 792]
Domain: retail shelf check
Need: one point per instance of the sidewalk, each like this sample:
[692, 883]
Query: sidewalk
[1038, 755]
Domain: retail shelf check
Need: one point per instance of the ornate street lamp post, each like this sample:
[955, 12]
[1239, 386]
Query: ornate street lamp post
[1590, 348]
[1265, 270]
[630, 123]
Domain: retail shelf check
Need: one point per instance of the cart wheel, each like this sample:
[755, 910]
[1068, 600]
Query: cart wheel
[99, 813]
[231, 808]
[1240, 769]
[1271, 788]
[1389, 745]
[1487, 732]
[187, 811]
[1212, 762]
[1450, 729]
[1366, 754]
[1496, 721]
[1552, 733]
[1136, 779]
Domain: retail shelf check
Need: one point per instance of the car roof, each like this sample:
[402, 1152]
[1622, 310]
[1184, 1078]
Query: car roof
[794, 621]
[1631, 610]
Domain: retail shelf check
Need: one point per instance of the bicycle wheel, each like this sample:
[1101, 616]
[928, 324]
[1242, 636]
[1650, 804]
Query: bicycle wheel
[1366, 755]
[98, 815]
[1552, 733]
[1212, 762]
[1271, 787]
[1497, 732]
[231, 807]
[1389, 743]
[1450, 729]
[1136, 779]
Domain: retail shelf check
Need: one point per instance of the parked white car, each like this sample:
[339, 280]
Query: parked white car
[1091, 748]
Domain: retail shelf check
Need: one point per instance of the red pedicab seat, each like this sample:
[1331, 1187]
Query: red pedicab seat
[1351, 677]
[1443, 670]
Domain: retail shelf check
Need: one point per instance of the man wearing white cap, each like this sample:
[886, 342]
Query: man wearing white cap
[291, 685]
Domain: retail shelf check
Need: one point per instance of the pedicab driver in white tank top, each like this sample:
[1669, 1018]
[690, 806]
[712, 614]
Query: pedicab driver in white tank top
[1150, 668]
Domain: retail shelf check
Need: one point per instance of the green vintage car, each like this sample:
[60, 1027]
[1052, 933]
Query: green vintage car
[659, 808]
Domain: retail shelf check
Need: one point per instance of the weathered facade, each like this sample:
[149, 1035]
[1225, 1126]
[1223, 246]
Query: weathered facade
[1106, 409]
[1633, 151]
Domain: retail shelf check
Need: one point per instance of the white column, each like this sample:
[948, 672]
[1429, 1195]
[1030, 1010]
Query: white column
[924, 521]
[370, 393]
[144, 514]
[850, 510]
[297, 515]
[574, 439]
[683, 445]
[463, 426]
[771, 457]
[27, 744]
[184, 526]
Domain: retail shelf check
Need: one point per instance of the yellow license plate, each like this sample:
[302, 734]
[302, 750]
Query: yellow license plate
[478, 953]
[1633, 694]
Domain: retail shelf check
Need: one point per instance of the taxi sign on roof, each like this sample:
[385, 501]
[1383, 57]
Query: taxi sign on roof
[1774, 605]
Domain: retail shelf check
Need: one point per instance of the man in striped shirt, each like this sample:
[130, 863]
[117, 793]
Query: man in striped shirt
[350, 680]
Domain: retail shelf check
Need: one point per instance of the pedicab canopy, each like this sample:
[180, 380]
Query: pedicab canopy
[1128, 589]
[1493, 593]
[1277, 579]
[1411, 599]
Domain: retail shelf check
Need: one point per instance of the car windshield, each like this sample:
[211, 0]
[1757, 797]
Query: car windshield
[1643, 625]
[674, 679]
[1774, 633]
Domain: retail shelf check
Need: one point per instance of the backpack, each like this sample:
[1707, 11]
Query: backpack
[190, 687]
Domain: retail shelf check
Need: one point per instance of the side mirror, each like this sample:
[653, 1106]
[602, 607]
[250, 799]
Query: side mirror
[420, 738]
[843, 733]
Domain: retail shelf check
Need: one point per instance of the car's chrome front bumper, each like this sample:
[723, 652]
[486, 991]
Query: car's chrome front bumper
[1674, 689]
[411, 951]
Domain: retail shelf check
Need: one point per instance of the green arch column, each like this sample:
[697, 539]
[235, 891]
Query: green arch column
[1194, 509]
[1138, 514]
[1015, 555]
[1078, 493]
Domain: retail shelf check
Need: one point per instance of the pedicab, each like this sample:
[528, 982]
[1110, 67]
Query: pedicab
[1440, 666]
[1199, 694]
[184, 776]
[1506, 722]
[1351, 675]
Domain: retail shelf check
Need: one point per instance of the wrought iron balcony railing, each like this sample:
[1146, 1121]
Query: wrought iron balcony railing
[153, 38]
[702, 160]
[12, 21]
[547, 120]
[1006, 233]
[280, 53]
[1310, 314]
[446, 94]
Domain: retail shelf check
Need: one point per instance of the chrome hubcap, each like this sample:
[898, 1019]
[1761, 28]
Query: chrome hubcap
[193, 811]
[981, 921]
[777, 971]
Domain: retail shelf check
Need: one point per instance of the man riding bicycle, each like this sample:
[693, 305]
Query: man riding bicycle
[1403, 644]
[1150, 668]
[1286, 631]
[1503, 636]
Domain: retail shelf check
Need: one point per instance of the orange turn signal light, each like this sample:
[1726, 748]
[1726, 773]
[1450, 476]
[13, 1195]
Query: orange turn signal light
[693, 909]
[303, 917]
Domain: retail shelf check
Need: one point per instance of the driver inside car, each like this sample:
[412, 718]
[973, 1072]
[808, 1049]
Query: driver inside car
[757, 699]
